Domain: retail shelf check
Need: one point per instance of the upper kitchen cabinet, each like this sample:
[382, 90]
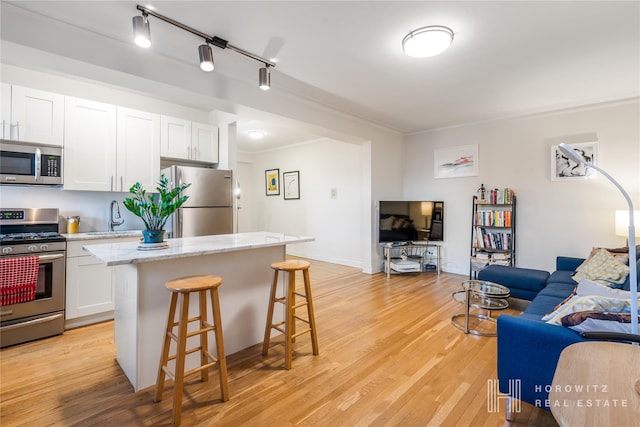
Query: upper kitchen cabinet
[138, 152]
[109, 148]
[32, 115]
[204, 142]
[90, 145]
[185, 140]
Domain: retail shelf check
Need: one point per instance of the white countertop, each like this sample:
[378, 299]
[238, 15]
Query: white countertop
[128, 252]
[94, 235]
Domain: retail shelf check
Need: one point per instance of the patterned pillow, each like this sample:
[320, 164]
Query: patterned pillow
[621, 254]
[587, 321]
[603, 268]
[588, 303]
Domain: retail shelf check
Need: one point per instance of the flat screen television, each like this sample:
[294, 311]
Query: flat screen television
[411, 221]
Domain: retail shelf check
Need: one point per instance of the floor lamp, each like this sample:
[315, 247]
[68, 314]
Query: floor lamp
[633, 271]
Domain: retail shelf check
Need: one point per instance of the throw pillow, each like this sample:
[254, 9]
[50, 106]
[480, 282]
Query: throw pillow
[588, 303]
[603, 268]
[587, 287]
[621, 254]
[587, 321]
[386, 224]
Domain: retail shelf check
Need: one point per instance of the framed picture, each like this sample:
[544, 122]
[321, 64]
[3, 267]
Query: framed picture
[272, 180]
[564, 169]
[456, 162]
[291, 183]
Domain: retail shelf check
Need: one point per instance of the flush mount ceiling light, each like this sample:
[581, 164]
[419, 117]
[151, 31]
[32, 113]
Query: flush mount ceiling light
[141, 36]
[255, 134]
[427, 41]
[206, 57]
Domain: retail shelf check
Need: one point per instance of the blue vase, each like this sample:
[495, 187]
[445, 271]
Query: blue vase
[153, 236]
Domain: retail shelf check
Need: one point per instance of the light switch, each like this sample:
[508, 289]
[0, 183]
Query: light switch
[334, 193]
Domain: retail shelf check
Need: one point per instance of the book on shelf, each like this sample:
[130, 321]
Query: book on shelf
[501, 197]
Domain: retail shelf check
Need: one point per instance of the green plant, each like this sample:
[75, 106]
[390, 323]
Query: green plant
[154, 209]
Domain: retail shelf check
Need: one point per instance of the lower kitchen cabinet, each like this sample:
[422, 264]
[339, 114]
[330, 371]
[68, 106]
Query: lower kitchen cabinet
[90, 285]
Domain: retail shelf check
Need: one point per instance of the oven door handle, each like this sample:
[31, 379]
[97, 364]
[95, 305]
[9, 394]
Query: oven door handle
[32, 322]
[50, 257]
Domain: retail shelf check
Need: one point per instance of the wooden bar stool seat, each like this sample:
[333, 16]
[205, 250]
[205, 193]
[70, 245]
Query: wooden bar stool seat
[288, 326]
[183, 287]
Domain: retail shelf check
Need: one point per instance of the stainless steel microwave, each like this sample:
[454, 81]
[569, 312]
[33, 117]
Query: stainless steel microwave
[30, 164]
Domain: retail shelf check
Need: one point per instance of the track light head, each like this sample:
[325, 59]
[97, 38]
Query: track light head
[206, 57]
[141, 32]
[264, 78]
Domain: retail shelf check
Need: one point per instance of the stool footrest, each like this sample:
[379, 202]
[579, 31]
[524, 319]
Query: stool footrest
[297, 334]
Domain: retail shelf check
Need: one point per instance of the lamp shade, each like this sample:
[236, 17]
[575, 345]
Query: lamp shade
[426, 208]
[622, 223]
[427, 41]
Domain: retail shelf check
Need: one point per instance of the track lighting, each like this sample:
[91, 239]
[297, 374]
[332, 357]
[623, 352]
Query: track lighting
[141, 35]
[206, 57]
[264, 78]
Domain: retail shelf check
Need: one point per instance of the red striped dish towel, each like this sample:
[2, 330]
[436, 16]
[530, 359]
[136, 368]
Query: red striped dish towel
[18, 279]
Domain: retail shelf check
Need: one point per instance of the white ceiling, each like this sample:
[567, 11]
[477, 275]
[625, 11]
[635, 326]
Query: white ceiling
[507, 58]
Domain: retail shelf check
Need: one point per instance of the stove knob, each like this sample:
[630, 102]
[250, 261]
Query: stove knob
[7, 250]
[44, 247]
[32, 248]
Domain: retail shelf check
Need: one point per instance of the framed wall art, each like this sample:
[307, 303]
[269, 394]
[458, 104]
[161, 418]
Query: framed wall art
[456, 162]
[564, 169]
[272, 181]
[291, 185]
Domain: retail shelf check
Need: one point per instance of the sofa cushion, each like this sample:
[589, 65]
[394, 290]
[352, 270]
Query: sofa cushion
[558, 289]
[588, 321]
[587, 287]
[543, 304]
[562, 276]
[515, 277]
[627, 284]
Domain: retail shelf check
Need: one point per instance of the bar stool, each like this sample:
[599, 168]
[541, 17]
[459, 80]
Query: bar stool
[183, 287]
[290, 267]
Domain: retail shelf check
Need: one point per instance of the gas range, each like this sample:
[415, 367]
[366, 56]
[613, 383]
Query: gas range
[29, 231]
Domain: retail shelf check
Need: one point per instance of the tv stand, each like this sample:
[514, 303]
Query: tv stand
[409, 257]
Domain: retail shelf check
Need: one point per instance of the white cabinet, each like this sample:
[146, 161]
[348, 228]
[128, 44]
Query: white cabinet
[185, 140]
[138, 149]
[32, 115]
[109, 148]
[204, 143]
[90, 287]
[90, 145]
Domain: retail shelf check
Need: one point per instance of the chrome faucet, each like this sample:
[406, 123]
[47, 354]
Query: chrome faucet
[113, 219]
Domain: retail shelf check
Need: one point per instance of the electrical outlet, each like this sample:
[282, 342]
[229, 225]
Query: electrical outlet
[334, 193]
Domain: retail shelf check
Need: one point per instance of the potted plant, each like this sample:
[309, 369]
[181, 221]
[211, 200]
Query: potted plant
[154, 209]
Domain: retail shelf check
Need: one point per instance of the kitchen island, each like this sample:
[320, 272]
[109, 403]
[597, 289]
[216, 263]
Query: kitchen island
[243, 261]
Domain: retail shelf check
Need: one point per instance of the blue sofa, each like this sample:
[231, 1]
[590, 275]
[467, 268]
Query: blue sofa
[529, 348]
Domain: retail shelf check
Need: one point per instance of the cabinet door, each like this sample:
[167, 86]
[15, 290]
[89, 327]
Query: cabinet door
[204, 143]
[138, 152]
[90, 287]
[175, 137]
[37, 116]
[89, 145]
[5, 110]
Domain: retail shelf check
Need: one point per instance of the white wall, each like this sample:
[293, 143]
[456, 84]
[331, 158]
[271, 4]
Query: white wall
[553, 218]
[335, 223]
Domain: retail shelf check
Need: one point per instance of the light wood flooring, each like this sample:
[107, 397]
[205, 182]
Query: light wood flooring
[388, 356]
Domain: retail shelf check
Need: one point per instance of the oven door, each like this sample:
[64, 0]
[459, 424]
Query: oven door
[49, 292]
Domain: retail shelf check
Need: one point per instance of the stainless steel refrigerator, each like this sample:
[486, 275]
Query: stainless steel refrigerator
[209, 209]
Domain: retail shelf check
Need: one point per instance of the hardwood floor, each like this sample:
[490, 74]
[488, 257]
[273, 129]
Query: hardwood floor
[388, 356]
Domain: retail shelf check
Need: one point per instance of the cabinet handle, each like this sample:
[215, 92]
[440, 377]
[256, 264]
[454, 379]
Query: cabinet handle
[111, 186]
[37, 160]
[3, 125]
[18, 130]
[121, 183]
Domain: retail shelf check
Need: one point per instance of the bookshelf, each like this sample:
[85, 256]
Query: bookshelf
[493, 231]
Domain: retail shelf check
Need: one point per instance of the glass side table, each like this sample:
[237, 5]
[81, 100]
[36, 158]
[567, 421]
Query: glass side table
[481, 295]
